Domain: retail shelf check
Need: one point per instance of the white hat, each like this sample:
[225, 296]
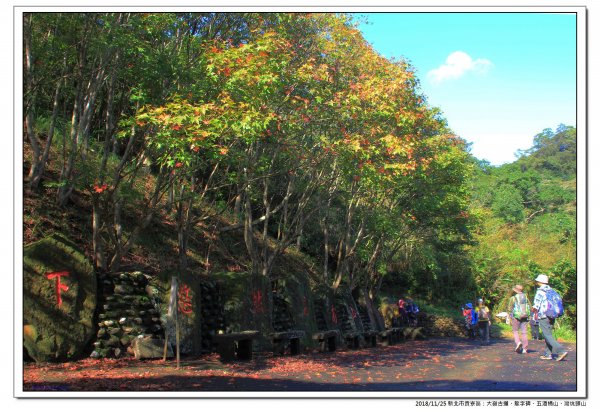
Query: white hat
[542, 279]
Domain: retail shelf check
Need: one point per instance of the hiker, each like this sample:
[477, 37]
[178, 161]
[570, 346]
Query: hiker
[534, 324]
[519, 310]
[540, 308]
[411, 312]
[402, 310]
[470, 319]
[483, 321]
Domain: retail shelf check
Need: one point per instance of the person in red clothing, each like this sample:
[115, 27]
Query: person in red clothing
[470, 319]
[402, 310]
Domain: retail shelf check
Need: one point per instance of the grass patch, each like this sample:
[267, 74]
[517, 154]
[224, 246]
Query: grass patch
[564, 333]
[503, 330]
[561, 333]
[443, 311]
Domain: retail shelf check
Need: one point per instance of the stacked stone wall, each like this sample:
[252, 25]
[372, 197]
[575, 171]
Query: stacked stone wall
[128, 309]
[212, 312]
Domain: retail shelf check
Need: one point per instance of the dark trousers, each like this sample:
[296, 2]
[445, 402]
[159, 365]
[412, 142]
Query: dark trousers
[484, 331]
[535, 331]
[552, 346]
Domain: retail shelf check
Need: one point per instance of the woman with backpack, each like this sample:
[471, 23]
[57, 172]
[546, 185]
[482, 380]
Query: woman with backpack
[519, 309]
[547, 306]
[483, 321]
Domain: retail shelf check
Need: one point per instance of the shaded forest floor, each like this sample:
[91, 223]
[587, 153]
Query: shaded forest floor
[443, 364]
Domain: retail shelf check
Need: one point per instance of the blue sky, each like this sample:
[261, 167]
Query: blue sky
[499, 78]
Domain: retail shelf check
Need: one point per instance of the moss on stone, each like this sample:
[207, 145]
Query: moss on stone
[61, 332]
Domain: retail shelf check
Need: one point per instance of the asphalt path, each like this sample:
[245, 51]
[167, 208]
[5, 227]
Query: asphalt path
[436, 365]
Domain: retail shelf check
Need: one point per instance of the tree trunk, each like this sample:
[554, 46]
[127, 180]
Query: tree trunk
[184, 215]
[122, 248]
[374, 314]
[265, 234]
[89, 105]
[97, 245]
[65, 189]
[38, 172]
[30, 98]
[173, 317]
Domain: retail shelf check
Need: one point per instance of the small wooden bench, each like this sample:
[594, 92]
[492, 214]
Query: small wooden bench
[231, 346]
[327, 340]
[352, 340]
[390, 337]
[414, 333]
[282, 339]
[370, 338]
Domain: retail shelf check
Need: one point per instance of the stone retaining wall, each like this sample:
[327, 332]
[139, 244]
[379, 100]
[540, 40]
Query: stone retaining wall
[127, 310]
[212, 312]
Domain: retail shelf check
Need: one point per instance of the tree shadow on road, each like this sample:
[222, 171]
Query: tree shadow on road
[200, 384]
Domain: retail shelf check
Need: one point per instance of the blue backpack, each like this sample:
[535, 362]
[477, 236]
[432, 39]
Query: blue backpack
[554, 305]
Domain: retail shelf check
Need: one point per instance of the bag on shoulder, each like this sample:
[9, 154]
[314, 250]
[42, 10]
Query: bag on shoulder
[554, 305]
[521, 309]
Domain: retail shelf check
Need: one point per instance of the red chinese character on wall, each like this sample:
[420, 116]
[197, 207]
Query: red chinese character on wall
[305, 304]
[333, 315]
[257, 301]
[184, 297]
[59, 286]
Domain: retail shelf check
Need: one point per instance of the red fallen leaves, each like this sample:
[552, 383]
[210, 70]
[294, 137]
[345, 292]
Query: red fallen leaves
[390, 365]
[300, 366]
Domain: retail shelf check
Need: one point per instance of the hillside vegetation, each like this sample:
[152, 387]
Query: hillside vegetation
[527, 211]
[198, 143]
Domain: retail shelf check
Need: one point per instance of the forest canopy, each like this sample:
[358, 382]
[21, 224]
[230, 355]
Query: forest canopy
[296, 130]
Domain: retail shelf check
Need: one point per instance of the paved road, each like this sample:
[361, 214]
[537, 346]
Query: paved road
[453, 365]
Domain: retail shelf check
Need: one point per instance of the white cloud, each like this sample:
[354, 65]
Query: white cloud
[499, 148]
[457, 64]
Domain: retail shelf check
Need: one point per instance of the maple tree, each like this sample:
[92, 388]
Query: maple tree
[291, 120]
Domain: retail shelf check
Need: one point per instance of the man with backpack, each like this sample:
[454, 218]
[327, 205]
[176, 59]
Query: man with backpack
[547, 306]
[519, 310]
